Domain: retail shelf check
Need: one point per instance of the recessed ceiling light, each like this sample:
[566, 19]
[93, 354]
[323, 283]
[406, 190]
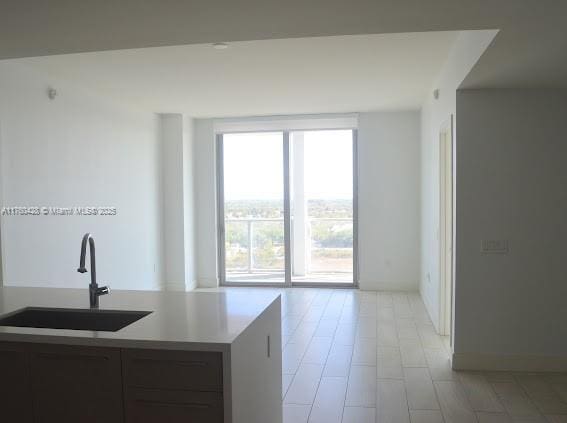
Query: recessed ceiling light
[220, 46]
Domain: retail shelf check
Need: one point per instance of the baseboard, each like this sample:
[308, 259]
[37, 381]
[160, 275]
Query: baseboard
[175, 286]
[191, 286]
[208, 283]
[514, 363]
[159, 287]
[388, 286]
[431, 310]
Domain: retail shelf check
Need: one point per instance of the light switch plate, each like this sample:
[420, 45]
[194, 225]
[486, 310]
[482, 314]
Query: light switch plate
[494, 246]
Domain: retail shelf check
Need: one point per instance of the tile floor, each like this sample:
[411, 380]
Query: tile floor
[362, 357]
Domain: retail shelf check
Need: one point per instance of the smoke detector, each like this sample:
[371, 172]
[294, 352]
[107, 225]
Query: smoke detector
[220, 46]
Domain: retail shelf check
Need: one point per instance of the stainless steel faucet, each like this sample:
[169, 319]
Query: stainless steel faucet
[94, 290]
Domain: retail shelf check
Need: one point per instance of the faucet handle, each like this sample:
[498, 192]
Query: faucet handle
[103, 290]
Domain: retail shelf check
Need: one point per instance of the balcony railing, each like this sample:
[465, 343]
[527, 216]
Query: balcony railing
[330, 243]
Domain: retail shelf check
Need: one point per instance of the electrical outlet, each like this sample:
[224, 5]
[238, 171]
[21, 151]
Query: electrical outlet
[494, 246]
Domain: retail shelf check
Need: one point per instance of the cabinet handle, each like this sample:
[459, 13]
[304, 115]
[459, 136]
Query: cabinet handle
[173, 404]
[54, 356]
[181, 363]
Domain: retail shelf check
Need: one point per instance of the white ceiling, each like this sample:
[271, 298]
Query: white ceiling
[529, 50]
[302, 75]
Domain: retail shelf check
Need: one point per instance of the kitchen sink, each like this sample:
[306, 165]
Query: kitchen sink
[72, 318]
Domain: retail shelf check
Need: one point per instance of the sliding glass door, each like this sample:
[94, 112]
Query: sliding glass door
[322, 207]
[253, 207]
[287, 208]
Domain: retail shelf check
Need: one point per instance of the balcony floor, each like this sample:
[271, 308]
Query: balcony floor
[278, 277]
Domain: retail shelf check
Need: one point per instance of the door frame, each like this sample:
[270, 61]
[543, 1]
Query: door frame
[2, 258]
[288, 283]
[446, 226]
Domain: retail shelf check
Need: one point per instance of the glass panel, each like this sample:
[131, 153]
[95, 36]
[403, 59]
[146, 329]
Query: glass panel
[322, 206]
[254, 207]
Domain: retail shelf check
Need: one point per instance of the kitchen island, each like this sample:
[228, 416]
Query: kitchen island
[197, 357]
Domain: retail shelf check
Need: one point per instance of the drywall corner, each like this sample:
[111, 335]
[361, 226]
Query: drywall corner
[466, 51]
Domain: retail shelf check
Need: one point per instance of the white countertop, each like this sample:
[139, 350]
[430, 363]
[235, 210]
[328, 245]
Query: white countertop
[179, 320]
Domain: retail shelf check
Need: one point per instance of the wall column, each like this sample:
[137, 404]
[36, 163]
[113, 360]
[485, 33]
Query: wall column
[171, 126]
[301, 248]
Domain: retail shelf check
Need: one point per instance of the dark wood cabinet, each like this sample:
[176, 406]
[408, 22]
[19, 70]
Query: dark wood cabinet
[177, 406]
[47, 383]
[76, 384]
[172, 386]
[185, 370]
[15, 383]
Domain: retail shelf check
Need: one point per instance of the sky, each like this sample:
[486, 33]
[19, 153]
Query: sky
[253, 165]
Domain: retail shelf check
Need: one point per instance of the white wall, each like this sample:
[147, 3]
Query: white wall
[206, 203]
[388, 198]
[171, 135]
[178, 199]
[511, 185]
[77, 150]
[464, 54]
[190, 204]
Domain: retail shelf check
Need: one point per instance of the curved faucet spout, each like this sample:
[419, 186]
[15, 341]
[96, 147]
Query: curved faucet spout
[94, 290]
[82, 269]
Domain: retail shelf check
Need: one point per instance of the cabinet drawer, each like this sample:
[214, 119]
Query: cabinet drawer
[154, 406]
[15, 384]
[76, 384]
[183, 370]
